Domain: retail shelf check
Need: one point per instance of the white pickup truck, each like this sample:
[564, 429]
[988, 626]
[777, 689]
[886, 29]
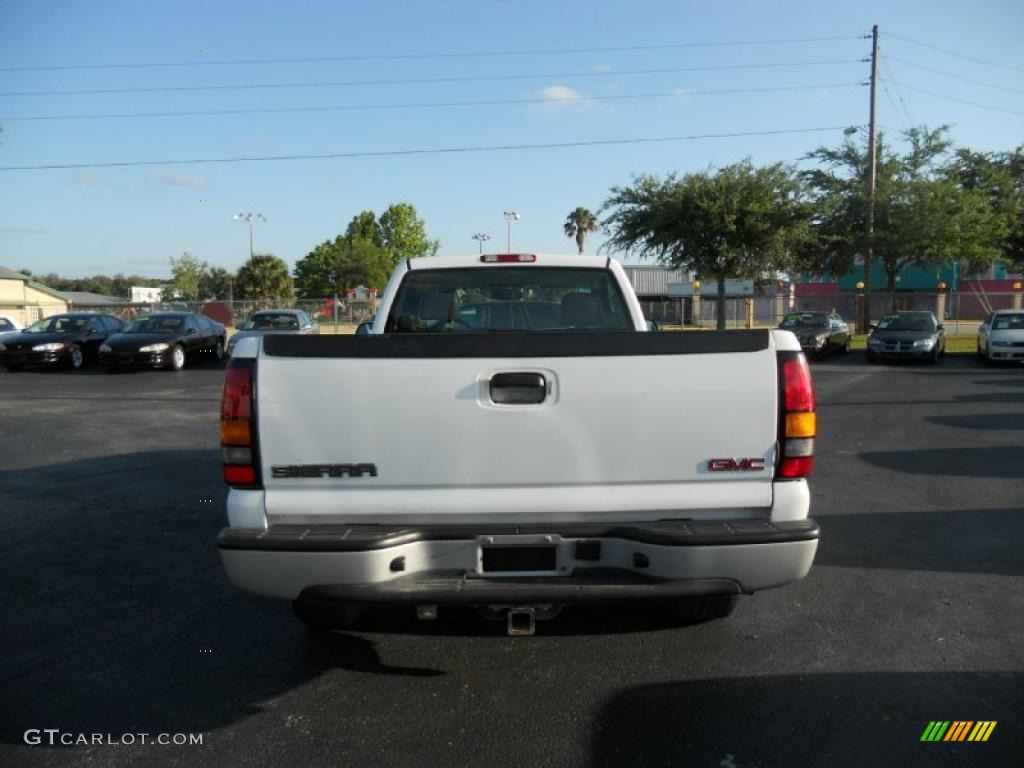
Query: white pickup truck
[510, 437]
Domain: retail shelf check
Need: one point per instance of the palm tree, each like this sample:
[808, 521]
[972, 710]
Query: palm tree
[265, 279]
[579, 224]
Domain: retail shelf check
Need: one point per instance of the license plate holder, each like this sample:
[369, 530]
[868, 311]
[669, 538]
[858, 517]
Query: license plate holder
[516, 555]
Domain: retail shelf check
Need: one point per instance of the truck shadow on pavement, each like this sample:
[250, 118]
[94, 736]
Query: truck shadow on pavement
[119, 616]
[856, 719]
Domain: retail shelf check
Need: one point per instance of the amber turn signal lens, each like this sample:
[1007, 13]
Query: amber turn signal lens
[801, 424]
[235, 432]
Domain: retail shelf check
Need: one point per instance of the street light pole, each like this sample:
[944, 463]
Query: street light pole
[481, 238]
[250, 218]
[510, 216]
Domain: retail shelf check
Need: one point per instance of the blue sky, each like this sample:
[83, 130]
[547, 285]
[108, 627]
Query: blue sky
[104, 220]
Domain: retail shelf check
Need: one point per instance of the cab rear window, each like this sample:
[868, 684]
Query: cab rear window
[508, 299]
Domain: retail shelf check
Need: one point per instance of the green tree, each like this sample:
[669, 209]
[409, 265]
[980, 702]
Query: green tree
[333, 267]
[101, 284]
[923, 214]
[215, 283]
[999, 176]
[739, 222]
[264, 278]
[578, 224]
[120, 286]
[52, 280]
[316, 273]
[363, 263]
[365, 226]
[404, 234]
[186, 271]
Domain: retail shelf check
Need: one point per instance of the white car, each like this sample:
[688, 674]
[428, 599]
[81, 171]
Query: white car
[1001, 336]
[9, 327]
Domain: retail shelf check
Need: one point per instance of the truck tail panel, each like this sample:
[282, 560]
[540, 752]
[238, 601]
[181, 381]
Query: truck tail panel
[509, 426]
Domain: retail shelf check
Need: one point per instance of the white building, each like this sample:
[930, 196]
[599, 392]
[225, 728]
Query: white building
[144, 295]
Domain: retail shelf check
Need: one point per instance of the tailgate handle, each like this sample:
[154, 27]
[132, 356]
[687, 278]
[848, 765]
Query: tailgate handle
[518, 388]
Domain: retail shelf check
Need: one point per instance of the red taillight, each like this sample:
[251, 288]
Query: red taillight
[239, 475]
[237, 400]
[796, 383]
[508, 258]
[797, 420]
[238, 445]
[799, 467]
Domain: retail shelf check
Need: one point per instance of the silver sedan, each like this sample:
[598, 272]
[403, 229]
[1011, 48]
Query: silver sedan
[291, 321]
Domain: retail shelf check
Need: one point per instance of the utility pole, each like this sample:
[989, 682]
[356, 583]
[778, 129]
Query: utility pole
[865, 321]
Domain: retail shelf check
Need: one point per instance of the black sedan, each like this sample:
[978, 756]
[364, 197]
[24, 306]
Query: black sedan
[69, 340]
[164, 340]
[819, 332]
[907, 335]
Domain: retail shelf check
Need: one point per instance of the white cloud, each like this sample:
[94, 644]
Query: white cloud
[175, 179]
[559, 98]
[602, 69]
[89, 178]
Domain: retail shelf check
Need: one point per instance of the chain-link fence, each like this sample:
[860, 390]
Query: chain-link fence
[968, 308]
[330, 314]
[956, 307]
[741, 312]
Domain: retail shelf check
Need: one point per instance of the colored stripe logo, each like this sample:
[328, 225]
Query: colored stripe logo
[958, 730]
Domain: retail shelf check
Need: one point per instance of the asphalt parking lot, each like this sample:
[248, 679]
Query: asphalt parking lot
[118, 618]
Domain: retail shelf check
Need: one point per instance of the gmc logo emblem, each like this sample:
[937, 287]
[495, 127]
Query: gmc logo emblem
[755, 464]
[323, 470]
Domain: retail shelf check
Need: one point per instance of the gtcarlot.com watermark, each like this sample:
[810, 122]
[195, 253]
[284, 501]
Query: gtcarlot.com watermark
[54, 737]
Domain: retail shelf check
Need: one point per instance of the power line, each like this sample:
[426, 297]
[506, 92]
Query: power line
[962, 101]
[408, 56]
[890, 78]
[892, 101]
[430, 151]
[947, 52]
[955, 76]
[424, 80]
[582, 99]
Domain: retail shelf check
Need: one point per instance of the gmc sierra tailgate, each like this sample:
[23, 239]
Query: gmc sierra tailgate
[517, 427]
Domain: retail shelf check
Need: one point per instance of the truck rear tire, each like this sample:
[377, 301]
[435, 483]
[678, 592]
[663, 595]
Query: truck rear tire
[326, 616]
[696, 610]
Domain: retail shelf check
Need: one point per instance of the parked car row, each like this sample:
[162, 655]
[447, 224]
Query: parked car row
[171, 339]
[901, 335]
[160, 340]
[907, 335]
